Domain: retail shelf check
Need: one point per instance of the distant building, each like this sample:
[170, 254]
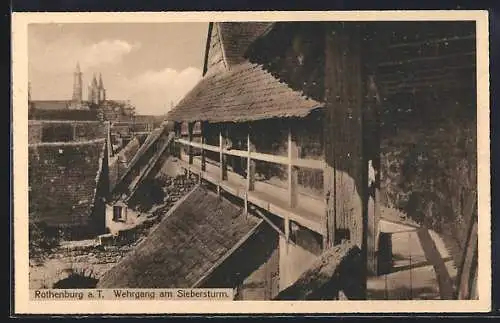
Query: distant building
[96, 107]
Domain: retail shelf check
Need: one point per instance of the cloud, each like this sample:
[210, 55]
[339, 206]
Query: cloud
[106, 51]
[153, 92]
[61, 54]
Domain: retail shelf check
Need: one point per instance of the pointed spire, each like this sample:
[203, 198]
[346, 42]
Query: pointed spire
[78, 67]
[94, 80]
[101, 86]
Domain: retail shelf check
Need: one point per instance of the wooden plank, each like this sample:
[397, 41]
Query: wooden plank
[292, 171]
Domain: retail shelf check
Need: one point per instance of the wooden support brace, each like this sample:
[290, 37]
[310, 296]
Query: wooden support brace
[271, 224]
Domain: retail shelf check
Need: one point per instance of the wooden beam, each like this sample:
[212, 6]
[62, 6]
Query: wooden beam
[190, 139]
[371, 153]
[222, 157]
[346, 208]
[203, 140]
[292, 171]
[250, 180]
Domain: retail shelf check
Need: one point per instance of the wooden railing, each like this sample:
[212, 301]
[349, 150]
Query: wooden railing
[282, 160]
[291, 161]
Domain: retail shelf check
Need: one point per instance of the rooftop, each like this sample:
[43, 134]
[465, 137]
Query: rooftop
[199, 232]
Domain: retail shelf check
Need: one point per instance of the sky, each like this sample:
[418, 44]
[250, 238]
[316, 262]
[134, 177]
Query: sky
[151, 64]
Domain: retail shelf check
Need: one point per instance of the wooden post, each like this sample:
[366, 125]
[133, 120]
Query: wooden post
[345, 164]
[222, 157]
[190, 139]
[190, 148]
[203, 142]
[292, 171]
[74, 131]
[250, 167]
[287, 232]
[371, 153]
[177, 135]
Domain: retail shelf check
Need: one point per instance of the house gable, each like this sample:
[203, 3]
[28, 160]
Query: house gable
[215, 55]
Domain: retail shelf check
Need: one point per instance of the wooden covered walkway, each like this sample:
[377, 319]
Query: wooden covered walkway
[422, 267]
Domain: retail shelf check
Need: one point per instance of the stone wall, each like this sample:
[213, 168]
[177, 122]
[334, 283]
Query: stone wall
[34, 132]
[64, 131]
[40, 114]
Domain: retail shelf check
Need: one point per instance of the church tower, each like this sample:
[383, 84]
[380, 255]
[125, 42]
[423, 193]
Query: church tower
[93, 91]
[77, 85]
[101, 90]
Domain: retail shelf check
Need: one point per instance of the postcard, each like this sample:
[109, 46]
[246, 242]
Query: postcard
[251, 162]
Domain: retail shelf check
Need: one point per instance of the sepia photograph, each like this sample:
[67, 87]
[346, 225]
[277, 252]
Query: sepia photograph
[253, 159]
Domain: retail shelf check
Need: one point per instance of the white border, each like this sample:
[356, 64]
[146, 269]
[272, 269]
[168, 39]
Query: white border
[23, 305]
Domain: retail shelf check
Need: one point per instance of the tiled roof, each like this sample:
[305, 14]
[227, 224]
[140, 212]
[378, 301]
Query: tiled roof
[63, 181]
[200, 232]
[246, 92]
[237, 36]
